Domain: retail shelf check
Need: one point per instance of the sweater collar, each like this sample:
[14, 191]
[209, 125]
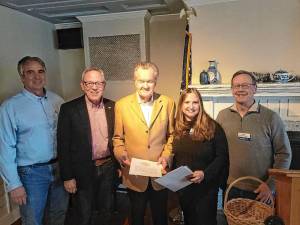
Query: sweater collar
[254, 108]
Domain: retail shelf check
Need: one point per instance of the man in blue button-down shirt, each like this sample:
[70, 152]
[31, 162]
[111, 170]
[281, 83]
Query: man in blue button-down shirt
[28, 148]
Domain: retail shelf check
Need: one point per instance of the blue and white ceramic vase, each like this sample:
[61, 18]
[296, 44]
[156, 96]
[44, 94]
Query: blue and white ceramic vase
[213, 73]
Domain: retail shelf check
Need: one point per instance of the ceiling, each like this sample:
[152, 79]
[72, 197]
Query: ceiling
[65, 11]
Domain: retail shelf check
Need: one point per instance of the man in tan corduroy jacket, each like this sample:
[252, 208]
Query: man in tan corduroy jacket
[144, 124]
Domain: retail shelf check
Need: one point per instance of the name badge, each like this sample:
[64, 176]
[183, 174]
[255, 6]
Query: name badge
[244, 136]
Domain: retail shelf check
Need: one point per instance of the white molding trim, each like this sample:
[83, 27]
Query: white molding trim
[192, 3]
[165, 17]
[67, 25]
[113, 16]
[291, 89]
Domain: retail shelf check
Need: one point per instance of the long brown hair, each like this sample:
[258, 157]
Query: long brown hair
[203, 126]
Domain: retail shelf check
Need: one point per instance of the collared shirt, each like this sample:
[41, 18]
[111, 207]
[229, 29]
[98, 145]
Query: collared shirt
[254, 107]
[99, 129]
[28, 133]
[146, 108]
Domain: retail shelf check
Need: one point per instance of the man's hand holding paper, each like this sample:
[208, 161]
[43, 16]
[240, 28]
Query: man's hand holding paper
[146, 168]
[125, 160]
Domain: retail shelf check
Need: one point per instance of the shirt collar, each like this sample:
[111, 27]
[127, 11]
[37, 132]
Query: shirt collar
[140, 101]
[33, 96]
[92, 105]
[254, 107]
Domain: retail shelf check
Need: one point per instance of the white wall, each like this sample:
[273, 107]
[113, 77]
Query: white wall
[23, 35]
[71, 66]
[166, 50]
[256, 35]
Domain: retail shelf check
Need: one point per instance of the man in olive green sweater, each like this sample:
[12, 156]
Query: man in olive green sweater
[257, 140]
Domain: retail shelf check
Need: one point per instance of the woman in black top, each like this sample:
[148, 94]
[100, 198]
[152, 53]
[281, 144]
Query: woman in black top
[200, 143]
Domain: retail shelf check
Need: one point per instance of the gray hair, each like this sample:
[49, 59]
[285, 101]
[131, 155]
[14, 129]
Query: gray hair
[146, 66]
[92, 68]
[28, 59]
[246, 73]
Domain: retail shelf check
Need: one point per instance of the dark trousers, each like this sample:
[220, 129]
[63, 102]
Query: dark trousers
[158, 205]
[239, 193]
[202, 210]
[94, 204]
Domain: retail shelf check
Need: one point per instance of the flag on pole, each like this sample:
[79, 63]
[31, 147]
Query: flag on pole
[187, 59]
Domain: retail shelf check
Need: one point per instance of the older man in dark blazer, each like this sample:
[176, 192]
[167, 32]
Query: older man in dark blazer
[87, 166]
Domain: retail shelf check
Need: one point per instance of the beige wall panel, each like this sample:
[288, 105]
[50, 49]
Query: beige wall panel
[23, 35]
[71, 67]
[256, 35]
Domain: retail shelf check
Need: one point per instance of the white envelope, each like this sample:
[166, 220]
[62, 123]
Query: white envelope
[146, 168]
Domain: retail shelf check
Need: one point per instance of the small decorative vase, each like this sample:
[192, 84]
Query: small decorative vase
[204, 78]
[213, 73]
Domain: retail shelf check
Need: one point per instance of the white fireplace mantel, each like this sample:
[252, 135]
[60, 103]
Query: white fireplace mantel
[283, 98]
[263, 89]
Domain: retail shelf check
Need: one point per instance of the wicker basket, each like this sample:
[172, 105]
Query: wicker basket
[243, 211]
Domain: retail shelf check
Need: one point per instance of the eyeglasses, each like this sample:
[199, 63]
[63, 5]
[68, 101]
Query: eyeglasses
[98, 84]
[241, 86]
[146, 81]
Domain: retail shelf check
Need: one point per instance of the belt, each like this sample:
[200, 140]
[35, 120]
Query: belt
[52, 161]
[100, 162]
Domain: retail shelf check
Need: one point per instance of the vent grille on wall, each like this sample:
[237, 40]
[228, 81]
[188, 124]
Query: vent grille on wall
[116, 55]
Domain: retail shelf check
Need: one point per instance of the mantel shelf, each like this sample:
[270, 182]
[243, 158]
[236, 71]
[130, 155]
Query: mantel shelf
[263, 89]
[281, 98]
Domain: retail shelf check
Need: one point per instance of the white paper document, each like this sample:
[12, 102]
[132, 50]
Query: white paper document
[176, 179]
[146, 168]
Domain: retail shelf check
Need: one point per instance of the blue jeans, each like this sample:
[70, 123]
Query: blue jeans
[46, 201]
